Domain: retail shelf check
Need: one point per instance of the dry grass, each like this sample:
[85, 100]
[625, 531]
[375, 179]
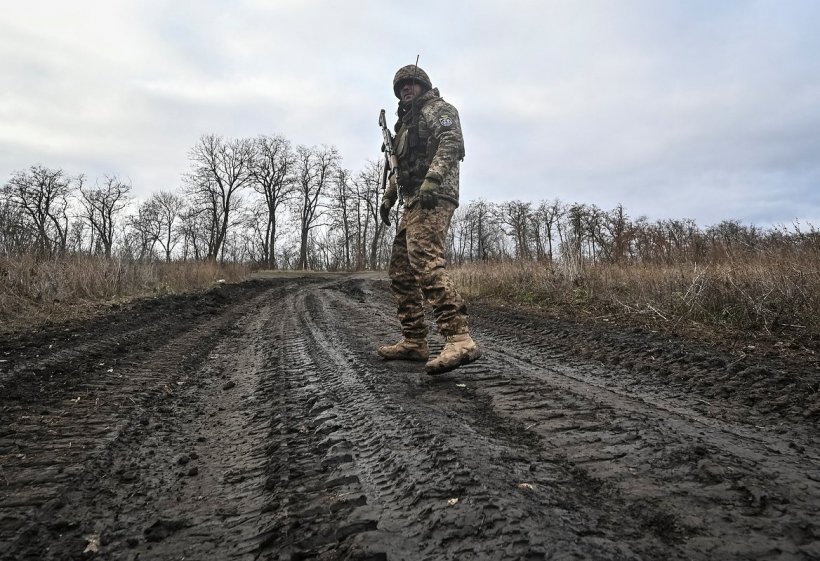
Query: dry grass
[34, 292]
[762, 292]
[765, 292]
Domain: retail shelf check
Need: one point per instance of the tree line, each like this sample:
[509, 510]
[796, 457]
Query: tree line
[580, 234]
[258, 200]
[265, 202]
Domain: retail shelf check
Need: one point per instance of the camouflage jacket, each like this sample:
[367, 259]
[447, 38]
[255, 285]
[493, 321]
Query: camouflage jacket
[429, 144]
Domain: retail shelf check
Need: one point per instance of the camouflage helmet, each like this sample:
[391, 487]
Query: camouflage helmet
[409, 73]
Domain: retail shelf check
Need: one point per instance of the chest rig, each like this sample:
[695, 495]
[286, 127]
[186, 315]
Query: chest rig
[411, 145]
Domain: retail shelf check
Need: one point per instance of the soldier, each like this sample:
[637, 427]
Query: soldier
[429, 146]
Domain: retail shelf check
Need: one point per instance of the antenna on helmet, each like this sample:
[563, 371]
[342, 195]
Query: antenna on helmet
[415, 73]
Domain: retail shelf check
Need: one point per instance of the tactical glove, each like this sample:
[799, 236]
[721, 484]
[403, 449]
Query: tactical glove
[384, 210]
[392, 190]
[391, 193]
[427, 193]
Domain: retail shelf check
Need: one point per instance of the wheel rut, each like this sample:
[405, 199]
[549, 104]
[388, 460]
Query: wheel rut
[263, 425]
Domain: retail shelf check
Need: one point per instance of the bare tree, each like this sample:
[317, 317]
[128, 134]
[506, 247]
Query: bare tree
[156, 222]
[257, 240]
[314, 169]
[76, 236]
[618, 226]
[102, 204]
[219, 169]
[343, 203]
[271, 175]
[546, 218]
[481, 218]
[517, 216]
[594, 219]
[43, 195]
[144, 230]
[167, 208]
[194, 228]
[16, 235]
[572, 232]
[370, 230]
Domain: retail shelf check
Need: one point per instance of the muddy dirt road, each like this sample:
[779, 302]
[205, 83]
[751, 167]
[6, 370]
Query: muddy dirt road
[255, 421]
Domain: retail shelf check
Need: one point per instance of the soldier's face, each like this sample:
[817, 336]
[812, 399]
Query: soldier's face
[409, 90]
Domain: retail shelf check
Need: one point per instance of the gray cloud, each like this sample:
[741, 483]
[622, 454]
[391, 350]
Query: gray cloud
[675, 109]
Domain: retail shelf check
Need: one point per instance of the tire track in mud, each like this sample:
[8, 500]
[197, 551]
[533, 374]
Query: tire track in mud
[42, 359]
[726, 490]
[194, 472]
[685, 479]
[429, 483]
[71, 463]
[703, 487]
[266, 427]
[340, 452]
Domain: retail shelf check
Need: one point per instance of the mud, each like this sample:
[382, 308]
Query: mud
[255, 421]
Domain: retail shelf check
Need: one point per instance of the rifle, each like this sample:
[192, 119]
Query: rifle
[387, 145]
[392, 164]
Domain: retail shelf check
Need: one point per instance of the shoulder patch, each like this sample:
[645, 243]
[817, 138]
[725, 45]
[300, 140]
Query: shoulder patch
[445, 121]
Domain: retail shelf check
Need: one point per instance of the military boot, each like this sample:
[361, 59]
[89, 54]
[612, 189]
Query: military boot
[406, 349]
[458, 351]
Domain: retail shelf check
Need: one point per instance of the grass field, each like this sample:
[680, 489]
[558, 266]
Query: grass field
[762, 292]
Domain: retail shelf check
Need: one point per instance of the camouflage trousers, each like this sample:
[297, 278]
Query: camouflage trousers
[417, 272]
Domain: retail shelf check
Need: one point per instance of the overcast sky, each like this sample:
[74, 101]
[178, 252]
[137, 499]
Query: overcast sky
[676, 109]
